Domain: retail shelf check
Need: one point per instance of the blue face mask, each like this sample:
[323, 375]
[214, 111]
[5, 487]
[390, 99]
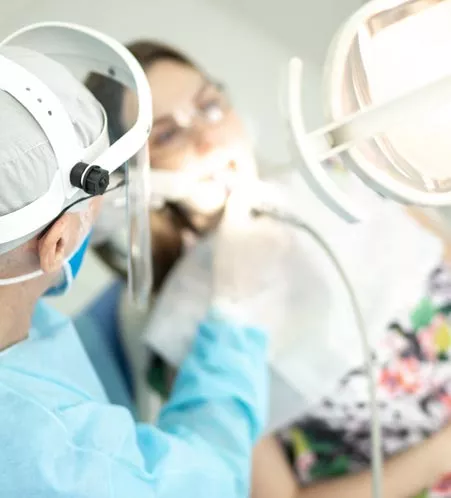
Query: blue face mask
[70, 270]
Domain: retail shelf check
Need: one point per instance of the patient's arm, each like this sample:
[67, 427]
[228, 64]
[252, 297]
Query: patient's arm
[405, 475]
[272, 476]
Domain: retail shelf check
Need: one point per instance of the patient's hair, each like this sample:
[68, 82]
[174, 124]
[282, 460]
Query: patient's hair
[169, 222]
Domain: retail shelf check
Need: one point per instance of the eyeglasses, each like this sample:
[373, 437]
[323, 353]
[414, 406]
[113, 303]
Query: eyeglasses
[173, 133]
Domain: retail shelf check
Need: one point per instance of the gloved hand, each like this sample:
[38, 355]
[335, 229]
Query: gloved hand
[253, 264]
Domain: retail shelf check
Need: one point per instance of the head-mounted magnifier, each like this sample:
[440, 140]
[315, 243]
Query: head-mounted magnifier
[84, 170]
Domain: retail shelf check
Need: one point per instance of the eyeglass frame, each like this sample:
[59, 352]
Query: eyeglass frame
[196, 114]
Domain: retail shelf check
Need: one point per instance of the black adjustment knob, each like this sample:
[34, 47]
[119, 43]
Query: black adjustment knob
[76, 174]
[93, 180]
[96, 181]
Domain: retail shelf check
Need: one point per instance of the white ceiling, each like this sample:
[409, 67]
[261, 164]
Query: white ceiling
[304, 27]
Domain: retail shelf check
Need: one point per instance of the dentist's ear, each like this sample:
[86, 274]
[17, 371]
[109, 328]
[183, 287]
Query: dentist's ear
[58, 242]
[61, 239]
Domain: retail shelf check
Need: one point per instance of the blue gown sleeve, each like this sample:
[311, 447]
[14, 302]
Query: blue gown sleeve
[60, 438]
[219, 400]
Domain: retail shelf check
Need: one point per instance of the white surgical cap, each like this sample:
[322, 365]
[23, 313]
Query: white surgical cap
[27, 161]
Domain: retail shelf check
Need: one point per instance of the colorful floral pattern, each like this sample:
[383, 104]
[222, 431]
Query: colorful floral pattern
[401, 377]
[414, 397]
[442, 489]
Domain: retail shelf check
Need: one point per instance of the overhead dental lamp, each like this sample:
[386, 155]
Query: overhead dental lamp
[388, 100]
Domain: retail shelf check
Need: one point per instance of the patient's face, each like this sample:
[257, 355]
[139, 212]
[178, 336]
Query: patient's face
[196, 129]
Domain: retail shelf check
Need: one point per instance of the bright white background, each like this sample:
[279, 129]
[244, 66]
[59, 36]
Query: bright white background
[246, 43]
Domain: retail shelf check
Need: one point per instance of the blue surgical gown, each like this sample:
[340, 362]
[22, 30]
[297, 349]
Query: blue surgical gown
[59, 436]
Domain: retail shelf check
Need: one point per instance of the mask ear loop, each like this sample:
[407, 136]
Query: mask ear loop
[38, 273]
[119, 185]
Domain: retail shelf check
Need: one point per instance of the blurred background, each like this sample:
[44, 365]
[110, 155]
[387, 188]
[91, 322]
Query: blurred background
[246, 43]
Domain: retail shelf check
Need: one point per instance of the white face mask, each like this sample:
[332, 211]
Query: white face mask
[204, 186]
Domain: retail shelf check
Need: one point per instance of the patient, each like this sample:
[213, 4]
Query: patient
[394, 264]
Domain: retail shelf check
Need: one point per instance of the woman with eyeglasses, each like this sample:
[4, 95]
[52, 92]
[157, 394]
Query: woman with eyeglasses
[326, 451]
[194, 126]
